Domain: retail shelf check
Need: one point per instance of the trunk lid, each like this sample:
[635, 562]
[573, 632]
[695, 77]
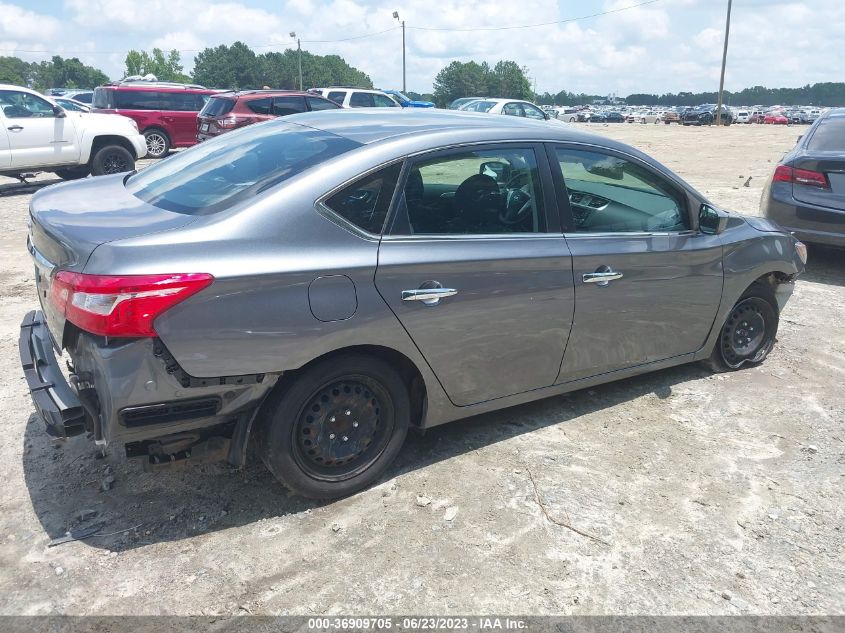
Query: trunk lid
[832, 164]
[68, 221]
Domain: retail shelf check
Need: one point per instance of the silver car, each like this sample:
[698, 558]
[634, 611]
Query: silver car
[321, 284]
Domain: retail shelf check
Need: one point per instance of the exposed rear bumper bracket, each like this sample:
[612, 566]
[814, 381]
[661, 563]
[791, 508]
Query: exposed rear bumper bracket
[54, 399]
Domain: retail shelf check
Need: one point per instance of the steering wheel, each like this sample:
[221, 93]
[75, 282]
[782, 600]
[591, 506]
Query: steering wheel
[518, 202]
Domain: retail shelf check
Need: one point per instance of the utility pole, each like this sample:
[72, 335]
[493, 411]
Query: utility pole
[404, 86]
[724, 62]
[299, 50]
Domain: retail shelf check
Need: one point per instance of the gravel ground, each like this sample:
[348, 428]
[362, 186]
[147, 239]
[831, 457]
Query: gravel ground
[678, 492]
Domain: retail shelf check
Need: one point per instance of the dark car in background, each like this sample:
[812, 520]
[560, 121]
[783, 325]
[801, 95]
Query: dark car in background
[806, 194]
[166, 113]
[227, 111]
[318, 283]
[705, 115]
[614, 117]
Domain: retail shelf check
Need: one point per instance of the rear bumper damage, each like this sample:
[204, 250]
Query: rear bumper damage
[133, 392]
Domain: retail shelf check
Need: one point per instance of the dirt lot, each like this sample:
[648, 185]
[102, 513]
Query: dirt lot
[704, 494]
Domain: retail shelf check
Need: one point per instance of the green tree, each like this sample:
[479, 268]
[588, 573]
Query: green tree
[234, 66]
[14, 71]
[460, 79]
[508, 80]
[281, 70]
[166, 67]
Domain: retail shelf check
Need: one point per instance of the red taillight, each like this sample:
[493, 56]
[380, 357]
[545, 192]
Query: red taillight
[229, 121]
[807, 177]
[121, 306]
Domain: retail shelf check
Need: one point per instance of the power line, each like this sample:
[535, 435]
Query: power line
[364, 35]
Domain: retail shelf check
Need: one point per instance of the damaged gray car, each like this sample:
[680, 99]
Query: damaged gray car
[319, 285]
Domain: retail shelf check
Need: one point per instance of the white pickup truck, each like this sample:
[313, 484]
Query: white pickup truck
[38, 135]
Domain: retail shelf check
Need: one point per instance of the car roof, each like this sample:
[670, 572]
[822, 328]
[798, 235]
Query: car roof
[373, 90]
[240, 94]
[373, 125]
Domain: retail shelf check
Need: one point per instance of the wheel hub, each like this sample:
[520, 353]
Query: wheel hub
[744, 336]
[338, 424]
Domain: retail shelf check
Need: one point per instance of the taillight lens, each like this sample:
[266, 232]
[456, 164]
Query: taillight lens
[807, 177]
[121, 305]
[229, 121]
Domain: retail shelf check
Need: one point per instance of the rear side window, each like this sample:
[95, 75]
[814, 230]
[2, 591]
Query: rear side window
[103, 98]
[137, 100]
[337, 96]
[218, 106]
[321, 104]
[365, 202]
[181, 101]
[829, 135]
[382, 101]
[282, 106]
[361, 100]
[217, 174]
[261, 106]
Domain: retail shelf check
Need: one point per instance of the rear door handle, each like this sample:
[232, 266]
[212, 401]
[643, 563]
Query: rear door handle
[15, 128]
[601, 278]
[429, 296]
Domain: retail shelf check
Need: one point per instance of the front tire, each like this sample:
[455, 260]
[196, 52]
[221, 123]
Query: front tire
[158, 143]
[749, 332]
[337, 427]
[112, 159]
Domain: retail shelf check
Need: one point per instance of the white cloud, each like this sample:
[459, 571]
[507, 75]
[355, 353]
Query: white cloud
[22, 24]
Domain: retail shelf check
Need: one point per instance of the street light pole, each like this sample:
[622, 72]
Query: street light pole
[724, 62]
[404, 86]
[299, 51]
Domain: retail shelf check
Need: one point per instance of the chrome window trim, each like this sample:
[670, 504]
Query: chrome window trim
[605, 234]
[450, 237]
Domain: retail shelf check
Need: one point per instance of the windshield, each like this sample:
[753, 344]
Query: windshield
[216, 174]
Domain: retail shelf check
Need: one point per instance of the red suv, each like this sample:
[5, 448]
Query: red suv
[166, 113]
[229, 110]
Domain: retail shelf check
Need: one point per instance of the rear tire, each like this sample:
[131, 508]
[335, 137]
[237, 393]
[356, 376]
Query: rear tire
[336, 428]
[158, 143]
[112, 159]
[749, 332]
[73, 173]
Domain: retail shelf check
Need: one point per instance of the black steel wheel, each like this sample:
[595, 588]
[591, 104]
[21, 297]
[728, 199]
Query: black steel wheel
[336, 427]
[748, 334]
[112, 159]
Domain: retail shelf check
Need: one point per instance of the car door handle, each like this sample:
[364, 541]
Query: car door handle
[429, 296]
[601, 278]
[15, 128]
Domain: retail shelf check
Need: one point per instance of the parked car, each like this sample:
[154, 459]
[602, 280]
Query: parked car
[705, 115]
[614, 117]
[743, 116]
[584, 116]
[208, 303]
[228, 111]
[457, 103]
[597, 117]
[406, 102]
[798, 117]
[510, 107]
[37, 134]
[775, 118]
[806, 194]
[71, 105]
[649, 117]
[670, 116]
[757, 117]
[357, 97]
[166, 113]
[82, 96]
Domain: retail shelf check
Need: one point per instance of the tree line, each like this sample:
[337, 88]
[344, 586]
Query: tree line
[238, 66]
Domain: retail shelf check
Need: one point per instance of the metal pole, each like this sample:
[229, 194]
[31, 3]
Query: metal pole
[404, 86]
[724, 62]
[299, 49]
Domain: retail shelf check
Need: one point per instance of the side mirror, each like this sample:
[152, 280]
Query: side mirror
[498, 170]
[59, 112]
[712, 221]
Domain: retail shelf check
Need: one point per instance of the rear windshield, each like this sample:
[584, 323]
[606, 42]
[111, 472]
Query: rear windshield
[103, 98]
[218, 106]
[217, 174]
[829, 135]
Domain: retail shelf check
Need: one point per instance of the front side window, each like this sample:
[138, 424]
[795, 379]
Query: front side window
[137, 100]
[361, 100]
[382, 101]
[473, 192]
[217, 174]
[479, 106]
[365, 202]
[282, 106]
[22, 105]
[611, 194]
[533, 113]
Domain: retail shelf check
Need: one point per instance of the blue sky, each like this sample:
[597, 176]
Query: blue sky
[665, 46]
